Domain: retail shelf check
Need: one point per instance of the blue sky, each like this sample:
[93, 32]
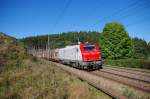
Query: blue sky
[22, 18]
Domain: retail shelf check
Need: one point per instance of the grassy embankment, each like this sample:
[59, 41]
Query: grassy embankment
[43, 80]
[24, 76]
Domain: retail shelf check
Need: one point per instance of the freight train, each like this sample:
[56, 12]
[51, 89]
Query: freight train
[83, 56]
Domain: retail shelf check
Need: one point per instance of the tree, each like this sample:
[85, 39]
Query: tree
[115, 42]
[141, 49]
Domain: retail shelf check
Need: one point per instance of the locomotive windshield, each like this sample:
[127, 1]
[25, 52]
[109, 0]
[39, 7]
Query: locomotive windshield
[89, 47]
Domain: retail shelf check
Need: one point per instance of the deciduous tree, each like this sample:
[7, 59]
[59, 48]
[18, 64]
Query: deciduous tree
[115, 41]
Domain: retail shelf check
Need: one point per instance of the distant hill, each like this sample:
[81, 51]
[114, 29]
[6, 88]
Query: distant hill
[62, 39]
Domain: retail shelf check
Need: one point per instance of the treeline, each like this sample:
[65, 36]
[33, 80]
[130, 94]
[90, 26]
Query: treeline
[114, 41]
[141, 48]
[61, 40]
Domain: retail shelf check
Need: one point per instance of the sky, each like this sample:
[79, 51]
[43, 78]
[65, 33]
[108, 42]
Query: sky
[23, 18]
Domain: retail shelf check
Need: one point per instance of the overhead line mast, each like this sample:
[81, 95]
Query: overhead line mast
[57, 22]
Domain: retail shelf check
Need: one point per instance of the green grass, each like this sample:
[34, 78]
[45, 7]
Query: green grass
[132, 63]
[43, 80]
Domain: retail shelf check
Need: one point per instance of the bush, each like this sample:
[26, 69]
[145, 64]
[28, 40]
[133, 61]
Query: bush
[34, 59]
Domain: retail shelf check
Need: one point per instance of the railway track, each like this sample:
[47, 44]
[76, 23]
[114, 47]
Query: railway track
[139, 74]
[137, 79]
[137, 70]
[140, 84]
[106, 78]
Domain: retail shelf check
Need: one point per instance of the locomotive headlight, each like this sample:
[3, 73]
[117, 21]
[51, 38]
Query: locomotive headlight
[100, 57]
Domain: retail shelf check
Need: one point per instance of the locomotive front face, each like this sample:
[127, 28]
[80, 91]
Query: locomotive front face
[91, 55]
[90, 52]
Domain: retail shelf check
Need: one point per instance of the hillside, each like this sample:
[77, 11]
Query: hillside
[11, 52]
[26, 77]
[61, 40]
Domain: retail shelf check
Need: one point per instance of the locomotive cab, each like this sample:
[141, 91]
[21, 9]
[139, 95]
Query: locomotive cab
[91, 56]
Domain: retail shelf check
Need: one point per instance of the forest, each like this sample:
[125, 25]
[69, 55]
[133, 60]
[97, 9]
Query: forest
[115, 44]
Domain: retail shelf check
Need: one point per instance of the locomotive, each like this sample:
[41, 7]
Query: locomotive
[83, 56]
